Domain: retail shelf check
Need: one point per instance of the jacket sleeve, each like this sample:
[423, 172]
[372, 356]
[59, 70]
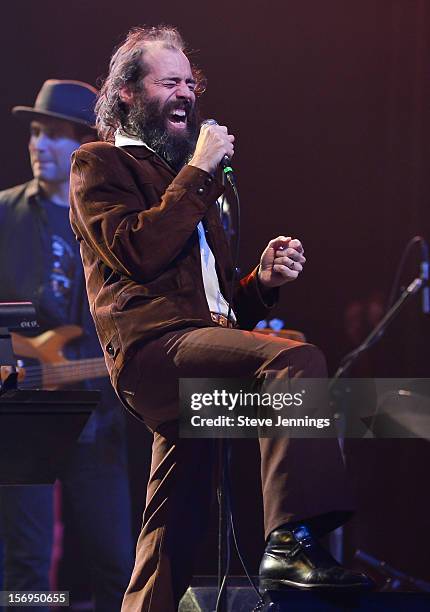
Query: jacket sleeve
[108, 213]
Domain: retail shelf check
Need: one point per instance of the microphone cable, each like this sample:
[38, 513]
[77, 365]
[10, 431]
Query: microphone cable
[228, 175]
[224, 492]
[225, 477]
[236, 543]
[230, 530]
[237, 245]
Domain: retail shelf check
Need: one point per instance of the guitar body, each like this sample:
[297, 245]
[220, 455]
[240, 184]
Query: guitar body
[48, 347]
[55, 370]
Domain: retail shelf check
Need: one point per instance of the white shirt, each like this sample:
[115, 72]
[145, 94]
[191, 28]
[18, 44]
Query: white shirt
[216, 301]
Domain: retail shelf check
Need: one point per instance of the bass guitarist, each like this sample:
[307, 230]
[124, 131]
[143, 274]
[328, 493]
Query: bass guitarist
[39, 261]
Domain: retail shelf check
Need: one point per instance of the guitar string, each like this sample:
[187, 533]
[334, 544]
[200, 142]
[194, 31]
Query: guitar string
[50, 374]
[53, 374]
[58, 380]
[85, 364]
[39, 381]
[59, 369]
[66, 371]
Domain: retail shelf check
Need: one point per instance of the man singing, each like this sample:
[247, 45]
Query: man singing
[158, 271]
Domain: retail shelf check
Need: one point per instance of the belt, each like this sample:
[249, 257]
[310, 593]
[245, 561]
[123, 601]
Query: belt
[221, 320]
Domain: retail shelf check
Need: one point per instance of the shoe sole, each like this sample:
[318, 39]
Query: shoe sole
[277, 585]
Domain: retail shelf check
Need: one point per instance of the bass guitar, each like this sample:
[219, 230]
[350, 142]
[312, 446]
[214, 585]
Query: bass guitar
[54, 369]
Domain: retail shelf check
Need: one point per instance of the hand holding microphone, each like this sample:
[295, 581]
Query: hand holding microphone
[213, 145]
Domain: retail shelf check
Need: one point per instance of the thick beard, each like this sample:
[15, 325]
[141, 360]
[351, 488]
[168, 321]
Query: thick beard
[148, 122]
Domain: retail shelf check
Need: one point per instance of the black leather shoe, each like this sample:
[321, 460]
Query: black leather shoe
[295, 559]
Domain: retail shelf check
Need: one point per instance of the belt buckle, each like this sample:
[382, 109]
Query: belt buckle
[220, 319]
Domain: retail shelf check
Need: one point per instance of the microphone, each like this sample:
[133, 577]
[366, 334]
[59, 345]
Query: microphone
[225, 163]
[425, 276]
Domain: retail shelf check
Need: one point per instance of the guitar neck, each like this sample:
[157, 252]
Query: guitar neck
[74, 371]
[54, 370]
[58, 374]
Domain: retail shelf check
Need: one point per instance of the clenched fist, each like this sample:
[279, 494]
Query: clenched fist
[281, 262]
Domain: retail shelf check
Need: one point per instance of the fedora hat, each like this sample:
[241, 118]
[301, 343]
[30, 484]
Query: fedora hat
[69, 100]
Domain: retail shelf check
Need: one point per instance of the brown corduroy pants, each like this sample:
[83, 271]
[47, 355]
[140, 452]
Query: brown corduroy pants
[302, 479]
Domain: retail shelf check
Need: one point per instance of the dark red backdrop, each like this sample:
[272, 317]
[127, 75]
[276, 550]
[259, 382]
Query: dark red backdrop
[330, 103]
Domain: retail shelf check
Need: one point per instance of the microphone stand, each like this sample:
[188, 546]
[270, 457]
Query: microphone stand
[375, 335]
[224, 540]
[394, 578]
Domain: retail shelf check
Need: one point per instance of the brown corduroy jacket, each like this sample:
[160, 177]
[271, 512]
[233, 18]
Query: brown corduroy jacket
[136, 221]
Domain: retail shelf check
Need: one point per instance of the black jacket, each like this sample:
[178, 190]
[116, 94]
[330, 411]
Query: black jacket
[23, 236]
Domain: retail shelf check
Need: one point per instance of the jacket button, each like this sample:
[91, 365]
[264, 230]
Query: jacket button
[200, 190]
[110, 350]
[208, 181]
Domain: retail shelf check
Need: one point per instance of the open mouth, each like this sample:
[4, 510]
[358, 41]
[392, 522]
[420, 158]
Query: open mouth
[178, 117]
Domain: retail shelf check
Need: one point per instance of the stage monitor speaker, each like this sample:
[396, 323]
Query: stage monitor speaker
[244, 599]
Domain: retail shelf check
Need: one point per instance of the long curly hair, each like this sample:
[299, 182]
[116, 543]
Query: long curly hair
[127, 67]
